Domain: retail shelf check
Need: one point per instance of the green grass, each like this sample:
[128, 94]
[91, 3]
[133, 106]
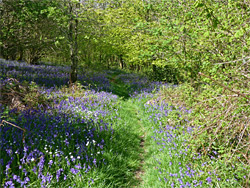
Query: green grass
[134, 153]
[123, 152]
[125, 157]
[152, 153]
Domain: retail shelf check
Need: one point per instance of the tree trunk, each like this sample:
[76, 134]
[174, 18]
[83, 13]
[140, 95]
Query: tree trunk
[121, 62]
[138, 68]
[154, 68]
[21, 55]
[73, 46]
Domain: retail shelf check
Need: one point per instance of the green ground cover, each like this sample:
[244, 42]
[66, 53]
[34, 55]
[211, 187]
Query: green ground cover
[112, 129]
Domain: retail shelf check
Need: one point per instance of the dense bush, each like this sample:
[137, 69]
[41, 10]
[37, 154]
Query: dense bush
[220, 117]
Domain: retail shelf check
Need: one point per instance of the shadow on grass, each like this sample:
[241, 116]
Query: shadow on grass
[53, 77]
[117, 86]
[47, 133]
[124, 156]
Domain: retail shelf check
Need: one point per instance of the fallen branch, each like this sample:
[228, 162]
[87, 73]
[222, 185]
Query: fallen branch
[24, 130]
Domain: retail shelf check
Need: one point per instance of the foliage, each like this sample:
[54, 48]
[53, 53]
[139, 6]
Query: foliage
[220, 117]
[23, 33]
[174, 40]
[203, 44]
[22, 96]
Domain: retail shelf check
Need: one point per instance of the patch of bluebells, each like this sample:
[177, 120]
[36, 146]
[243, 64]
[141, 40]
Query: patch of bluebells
[91, 106]
[175, 162]
[51, 76]
[55, 143]
[66, 139]
[140, 86]
[46, 75]
[97, 81]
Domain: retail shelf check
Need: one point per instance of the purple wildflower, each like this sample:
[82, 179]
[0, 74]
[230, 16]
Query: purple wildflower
[209, 180]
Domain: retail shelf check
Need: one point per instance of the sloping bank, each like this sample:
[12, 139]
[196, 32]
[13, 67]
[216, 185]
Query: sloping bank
[169, 158]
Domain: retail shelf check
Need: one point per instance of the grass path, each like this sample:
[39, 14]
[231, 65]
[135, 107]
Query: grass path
[86, 138]
[141, 148]
[130, 118]
[134, 120]
[139, 173]
[124, 152]
[125, 156]
[150, 148]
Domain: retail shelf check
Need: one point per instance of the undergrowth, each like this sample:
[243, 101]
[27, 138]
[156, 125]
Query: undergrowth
[220, 120]
[81, 135]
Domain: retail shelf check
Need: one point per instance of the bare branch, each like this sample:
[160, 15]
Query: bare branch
[24, 130]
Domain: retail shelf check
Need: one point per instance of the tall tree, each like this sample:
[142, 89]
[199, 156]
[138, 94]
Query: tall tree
[73, 37]
[69, 17]
[23, 32]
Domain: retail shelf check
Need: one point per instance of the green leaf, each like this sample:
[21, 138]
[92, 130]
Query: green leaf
[206, 34]
[198, 4]
[239, 33]
[215, 23]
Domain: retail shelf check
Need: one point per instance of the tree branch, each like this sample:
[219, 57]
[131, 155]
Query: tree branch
[222, 85]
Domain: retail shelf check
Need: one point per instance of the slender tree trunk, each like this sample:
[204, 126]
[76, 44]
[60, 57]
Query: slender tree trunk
[73, 46]
[154, 68]
[100, 58]
[21, 55]
[121, 62]
[138, 68]
[74, 60]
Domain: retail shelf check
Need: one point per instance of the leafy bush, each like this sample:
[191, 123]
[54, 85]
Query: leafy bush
[220, 117]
